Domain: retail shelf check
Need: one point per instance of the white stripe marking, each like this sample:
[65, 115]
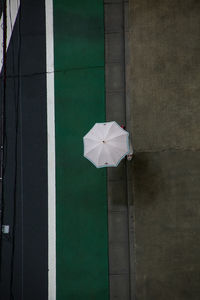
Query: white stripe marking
[12, 11]
[51, 152]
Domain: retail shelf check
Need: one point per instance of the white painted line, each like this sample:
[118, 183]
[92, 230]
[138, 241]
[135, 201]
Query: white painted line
[51, 152]
[12, 11]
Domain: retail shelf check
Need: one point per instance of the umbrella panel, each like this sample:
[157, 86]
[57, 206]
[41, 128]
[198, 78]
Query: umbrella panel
[106, 144]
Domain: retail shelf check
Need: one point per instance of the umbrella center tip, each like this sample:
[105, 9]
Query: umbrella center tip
[103, 142]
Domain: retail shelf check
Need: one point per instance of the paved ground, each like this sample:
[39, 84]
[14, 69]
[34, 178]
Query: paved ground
[165, 125]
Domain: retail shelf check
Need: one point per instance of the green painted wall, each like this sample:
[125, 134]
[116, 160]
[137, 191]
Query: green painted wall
[82, 247]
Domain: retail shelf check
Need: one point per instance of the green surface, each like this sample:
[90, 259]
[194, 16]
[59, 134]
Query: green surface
[82, 246]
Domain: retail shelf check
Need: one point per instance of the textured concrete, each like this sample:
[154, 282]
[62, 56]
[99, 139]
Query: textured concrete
[119, 287]
[164, 94]
[167, 212]
[165, 73]
[118, 224]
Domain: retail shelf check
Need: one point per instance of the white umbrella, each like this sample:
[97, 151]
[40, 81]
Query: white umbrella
[106, 144]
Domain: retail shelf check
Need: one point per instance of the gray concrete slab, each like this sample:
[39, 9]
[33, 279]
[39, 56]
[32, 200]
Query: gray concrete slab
[119, 287]
[167, 211]
[119, 173]
[115, 77]
[126, 16]
[116, 103]
[117, 200]
[118, 227]
[164, 88]
[165, 74]
[119, 259]
[113, 17]
[112, 1]
[118, 222]
[114, 51]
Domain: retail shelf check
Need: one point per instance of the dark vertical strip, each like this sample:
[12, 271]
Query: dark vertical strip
[34, 150]
[2, 126]
[118, 212]
[26, 135]
[82, 260]
[1, 8]
[129, 165]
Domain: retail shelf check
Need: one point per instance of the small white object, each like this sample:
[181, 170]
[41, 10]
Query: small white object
[130, 154]
[5, 229]
[106, 144]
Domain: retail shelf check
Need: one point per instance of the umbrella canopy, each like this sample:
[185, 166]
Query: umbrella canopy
[106, 144]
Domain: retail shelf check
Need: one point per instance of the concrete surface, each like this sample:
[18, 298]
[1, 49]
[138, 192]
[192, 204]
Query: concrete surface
[164, 82]
[118, 220]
